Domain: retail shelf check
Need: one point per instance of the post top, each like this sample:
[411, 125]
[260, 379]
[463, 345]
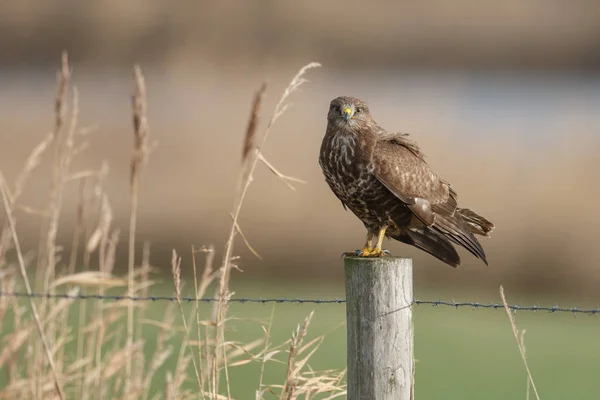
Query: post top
[390, 258]
[375, 262]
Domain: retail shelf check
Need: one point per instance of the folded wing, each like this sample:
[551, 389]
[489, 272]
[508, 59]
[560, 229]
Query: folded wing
[399, 165]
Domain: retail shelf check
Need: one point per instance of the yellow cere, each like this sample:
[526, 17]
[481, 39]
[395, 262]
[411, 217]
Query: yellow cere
[348, 111]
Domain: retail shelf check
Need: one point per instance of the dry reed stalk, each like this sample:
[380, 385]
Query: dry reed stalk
[8, 284]
[266, 355]
[143, 286]
[199, 290]
[62, 158]
[140, 286]
[5, 243]
[138, 373]
[297, 339]
[61, 173]
[46, 250]
[73, 257]
[92, 204]
[222, 343]
[284, 178]
[33, 307]
[106, 255]
[248, 168]
[208, 276]
[245, 240]
[520, 344]
[522, 341]
[239, 349]
[251, 130]
[100, 280]
[77, 232]
[176, 268]
[145, 270]
[63, 83]
[138, 160]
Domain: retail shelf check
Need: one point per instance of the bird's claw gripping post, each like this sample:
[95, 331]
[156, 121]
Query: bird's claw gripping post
[365, 253]
[369, 250]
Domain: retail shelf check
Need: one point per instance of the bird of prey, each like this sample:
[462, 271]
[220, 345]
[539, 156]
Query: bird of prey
[382, 177]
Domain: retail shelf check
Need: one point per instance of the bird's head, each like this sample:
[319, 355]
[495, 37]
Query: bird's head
[348, 112]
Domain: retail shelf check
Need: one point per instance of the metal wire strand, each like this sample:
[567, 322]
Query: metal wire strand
[243, 300]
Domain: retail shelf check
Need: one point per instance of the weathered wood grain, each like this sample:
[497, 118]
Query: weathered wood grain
[379, 294]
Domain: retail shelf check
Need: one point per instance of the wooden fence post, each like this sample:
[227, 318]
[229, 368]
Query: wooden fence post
[379, 295]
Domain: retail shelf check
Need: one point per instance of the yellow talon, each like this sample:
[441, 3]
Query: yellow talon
[369, 250]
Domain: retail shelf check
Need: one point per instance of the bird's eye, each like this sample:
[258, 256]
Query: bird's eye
[335, 107]
[358, 110]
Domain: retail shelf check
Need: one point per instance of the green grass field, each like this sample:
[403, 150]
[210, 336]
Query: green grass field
[460, 353]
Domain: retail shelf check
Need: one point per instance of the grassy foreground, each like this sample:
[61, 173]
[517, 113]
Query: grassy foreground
[460, 353]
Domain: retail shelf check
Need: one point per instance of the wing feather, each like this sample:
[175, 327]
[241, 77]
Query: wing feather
[399, 165]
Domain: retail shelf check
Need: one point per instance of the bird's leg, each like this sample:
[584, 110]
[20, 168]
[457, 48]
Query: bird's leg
[377, 251]
[369, 243]
[369, 250]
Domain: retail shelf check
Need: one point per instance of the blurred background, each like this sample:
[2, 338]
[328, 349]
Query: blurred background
[503, 97]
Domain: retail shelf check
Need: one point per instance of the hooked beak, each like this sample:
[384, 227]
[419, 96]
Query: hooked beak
[348, 113]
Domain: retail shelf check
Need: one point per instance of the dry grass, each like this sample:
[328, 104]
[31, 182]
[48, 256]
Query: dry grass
[520, 339]
[138, 160]
[44, 355]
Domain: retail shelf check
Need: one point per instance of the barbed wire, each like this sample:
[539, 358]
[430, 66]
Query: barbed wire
[243, 300]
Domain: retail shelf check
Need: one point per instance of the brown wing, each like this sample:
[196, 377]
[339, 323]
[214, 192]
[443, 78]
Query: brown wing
[399, 165]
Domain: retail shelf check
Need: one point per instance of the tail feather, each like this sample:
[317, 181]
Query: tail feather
[438, 239]
[476, 223]
[458, 231]
[433, 243]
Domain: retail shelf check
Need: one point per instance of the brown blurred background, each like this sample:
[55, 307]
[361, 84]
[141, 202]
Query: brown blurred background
[504, 98]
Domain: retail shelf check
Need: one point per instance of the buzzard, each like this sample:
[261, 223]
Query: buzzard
[382, 177]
